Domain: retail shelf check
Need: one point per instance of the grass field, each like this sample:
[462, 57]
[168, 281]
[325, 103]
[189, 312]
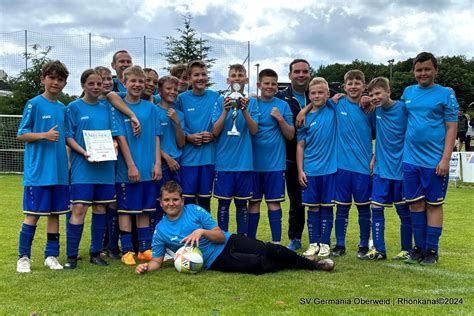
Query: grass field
[117, 289]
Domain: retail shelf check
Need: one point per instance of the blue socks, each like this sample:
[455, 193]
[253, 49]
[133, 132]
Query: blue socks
[254, 218]
[73, 239]
[52, 245]
[378, 228]
[144, 238]
[327, 218]
[223, 214]
[126, 241]
[27, 234]
[342, 218]
[98, 226]
[405, 226]
[432, 237]
[112, 228]
[275, 224]
[364, 224]
[241, 216]
[314, 226]
[418, 224]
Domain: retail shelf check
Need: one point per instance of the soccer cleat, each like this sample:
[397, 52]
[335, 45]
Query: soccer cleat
[325, 264]
[128, 259]
[402, 255]
[313, 250]
[71, 263]
[113, 254]
[53, 263]
[23, 265]
[97, 260]
[416, 255]
[338, 251]
[430, 258]
[294, 244]
[324, 250]
[362, 252]
[145, 255]
[373, 254]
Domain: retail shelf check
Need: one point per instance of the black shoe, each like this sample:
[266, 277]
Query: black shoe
[71, 263]
[338, 251]
[362, 252]
[431, 258]
[98, 261]
[114, 254]
[416, 256]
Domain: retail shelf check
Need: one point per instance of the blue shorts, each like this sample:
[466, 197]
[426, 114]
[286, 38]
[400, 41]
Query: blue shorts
[386, 192]
[46, 200]
[320, 190]
[423, 183]
[268, 183]
[233, 184]
[350, 184]
[136, 198]
[92, 193]
[197, 180]
[168, 175]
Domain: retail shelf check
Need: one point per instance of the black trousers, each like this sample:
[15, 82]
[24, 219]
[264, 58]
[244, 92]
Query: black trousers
[247, 255]
[296, 219]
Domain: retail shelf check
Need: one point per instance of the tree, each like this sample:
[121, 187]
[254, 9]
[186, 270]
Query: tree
[187, 47]
[28, 84]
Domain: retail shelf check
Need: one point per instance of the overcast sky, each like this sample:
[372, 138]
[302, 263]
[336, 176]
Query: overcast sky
[323, 32]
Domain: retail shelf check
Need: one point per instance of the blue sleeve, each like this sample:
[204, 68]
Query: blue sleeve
[218, 109]
[451, 108]
[158, 247]
[181, 119]
[158, 130]
[206, 219]
[70, 124]
[288, 115]
[253, 109]
[26, 123]
[179, 103]
[301, 133]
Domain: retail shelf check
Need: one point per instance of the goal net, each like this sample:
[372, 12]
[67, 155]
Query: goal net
[11, 150]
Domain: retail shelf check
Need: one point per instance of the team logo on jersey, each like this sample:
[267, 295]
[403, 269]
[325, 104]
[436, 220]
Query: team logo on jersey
[126, 120]
[407, 101]
[46, 117]
[343, 113]
[30, 105]
[164, 123]
[378, 117]
[84, 118]
[313, 123]
[191, 109]
[174, 238]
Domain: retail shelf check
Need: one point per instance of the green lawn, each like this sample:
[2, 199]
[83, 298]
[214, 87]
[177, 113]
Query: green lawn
[118, 290]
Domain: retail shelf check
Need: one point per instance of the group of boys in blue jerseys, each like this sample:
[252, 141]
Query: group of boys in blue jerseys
[178, 148]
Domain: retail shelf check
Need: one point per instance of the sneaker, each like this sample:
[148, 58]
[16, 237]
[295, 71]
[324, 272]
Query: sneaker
[313, 250]
[373, 254]
[431, 258]
[416, 255]
[324, 250]
[128, 259]
[23, 265]
[294, 244]
[362, 252]
[338, 251]
[325, 264]
[71, 263]
[145, 255]
[402, 255]
[53, 263]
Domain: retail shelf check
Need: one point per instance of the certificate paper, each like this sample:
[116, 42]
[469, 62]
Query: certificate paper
[99, 145]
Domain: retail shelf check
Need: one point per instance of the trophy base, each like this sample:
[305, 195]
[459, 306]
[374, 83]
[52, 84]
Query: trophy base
[233, 133]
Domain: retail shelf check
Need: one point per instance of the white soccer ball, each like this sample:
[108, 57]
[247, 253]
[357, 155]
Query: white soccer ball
[188, 260]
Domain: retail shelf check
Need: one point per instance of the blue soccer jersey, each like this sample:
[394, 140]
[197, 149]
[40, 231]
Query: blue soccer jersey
[142, 148]
[168, 137]
[197, 111]
[45, 161]
[269, 143]
[354, 137]
[169, 233]
[428, 111]
[319, 135]
[234, 153]
[82, 116]
[118, 86]
[391, 125]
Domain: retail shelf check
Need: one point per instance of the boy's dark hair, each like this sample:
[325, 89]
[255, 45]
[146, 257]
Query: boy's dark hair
[299, 60]
[195, 63]
[379, 82]
[354, 74]
[178, 70]
[87, 73]
[424, 56]
[54, 68]
[267, 73]
[238, 67]
[118, 52]
[147, 70]
[164, 79]
[171, 187]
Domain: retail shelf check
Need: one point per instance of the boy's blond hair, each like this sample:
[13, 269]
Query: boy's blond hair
[354, 74]
[379, 82]
[319, 80]
[167, 78]
[133, 70]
